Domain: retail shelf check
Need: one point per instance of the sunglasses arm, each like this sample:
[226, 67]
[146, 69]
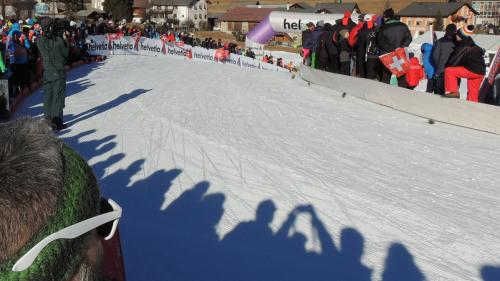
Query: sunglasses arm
[71, 232]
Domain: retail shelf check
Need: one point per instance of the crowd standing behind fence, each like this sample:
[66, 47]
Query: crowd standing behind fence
[346, 47]
[354, 49]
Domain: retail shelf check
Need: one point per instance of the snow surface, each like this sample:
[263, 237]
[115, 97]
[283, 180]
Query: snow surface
[191, 149]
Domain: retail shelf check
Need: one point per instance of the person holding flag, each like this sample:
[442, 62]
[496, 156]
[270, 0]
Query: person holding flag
[392, 35]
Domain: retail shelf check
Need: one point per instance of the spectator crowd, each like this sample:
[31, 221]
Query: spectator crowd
[345, 47]
[20, 60]
[355, 49]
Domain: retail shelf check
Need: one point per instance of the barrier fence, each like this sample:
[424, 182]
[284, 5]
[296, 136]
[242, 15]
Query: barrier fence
[115, 44]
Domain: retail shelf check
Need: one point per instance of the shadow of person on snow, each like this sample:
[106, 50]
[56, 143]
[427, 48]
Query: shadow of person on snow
[399, 265]
[74, 84]
[490, 273]
[181, 241]
[72, 119]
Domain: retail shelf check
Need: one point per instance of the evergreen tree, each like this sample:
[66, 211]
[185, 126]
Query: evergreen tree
[438, 21]
[119, 9]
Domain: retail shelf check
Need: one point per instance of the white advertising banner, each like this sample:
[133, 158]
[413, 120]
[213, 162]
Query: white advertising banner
[112, 44]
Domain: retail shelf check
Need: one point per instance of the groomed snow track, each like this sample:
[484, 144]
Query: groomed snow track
[232, 174]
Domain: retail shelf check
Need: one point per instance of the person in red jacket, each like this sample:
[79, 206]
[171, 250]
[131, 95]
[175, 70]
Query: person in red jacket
[414, 74]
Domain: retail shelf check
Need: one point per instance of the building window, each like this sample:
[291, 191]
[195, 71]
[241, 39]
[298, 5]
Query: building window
[195, 16]
[418, 22]
[201, 17]
[175, 16]
[195, 7]
[205, 16]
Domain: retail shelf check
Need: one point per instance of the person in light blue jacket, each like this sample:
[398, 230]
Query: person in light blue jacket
[429, 67]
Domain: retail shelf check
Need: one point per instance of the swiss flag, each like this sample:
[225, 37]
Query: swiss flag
[396, 62]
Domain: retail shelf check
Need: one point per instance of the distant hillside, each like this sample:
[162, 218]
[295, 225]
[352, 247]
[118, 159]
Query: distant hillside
[366, 6]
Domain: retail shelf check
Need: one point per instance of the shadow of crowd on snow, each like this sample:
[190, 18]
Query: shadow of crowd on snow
[181, 242]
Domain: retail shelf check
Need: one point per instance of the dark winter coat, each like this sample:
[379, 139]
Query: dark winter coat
[468, 55]
[322, 50]
[443, 48]
[362, 39]
[315, 37]
[55, 54]
[307, 39]
[330, 46]
[392, 35]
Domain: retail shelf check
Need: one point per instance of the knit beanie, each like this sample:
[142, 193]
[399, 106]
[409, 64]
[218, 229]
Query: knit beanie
[346, 18]
[451, 29]
[389, 13]
[79, 201]
[466, 32]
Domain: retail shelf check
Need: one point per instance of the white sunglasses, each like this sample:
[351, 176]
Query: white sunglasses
[71, 232]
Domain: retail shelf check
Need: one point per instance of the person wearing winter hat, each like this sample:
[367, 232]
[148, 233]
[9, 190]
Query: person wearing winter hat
[441, 52]
[307, 42]
[323, 48]
[49, 194]
[342, 30]
[358, 53]
[368, 34]
[467, 61]
[18, 58]
[392, 35]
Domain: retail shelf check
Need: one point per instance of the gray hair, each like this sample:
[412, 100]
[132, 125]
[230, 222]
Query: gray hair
[31, 180]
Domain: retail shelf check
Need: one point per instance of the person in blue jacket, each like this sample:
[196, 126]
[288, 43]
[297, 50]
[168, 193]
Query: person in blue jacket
[18, 58]
[429, 67]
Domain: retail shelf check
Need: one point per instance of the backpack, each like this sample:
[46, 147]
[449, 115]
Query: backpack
[371, 44]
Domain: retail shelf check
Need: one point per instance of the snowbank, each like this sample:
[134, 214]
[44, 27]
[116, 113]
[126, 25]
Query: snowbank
[453, 111]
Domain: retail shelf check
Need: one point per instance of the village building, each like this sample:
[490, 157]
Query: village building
[419, 16]
[336, 8]
[185, 11]
[489, 12]
[243, 19]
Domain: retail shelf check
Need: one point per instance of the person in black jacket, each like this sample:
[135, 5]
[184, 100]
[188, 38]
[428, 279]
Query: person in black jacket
[467, 61]
[441, 53]
[322, 54]
[333, 51]
[361, 43]
[341, 35]
[392, 34]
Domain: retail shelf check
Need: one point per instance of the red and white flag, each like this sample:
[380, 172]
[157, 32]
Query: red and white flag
[137, 39]
[114, 36]
[397, 62]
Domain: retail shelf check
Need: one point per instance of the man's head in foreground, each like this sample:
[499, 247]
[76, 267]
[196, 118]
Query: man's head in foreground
[44, 187]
